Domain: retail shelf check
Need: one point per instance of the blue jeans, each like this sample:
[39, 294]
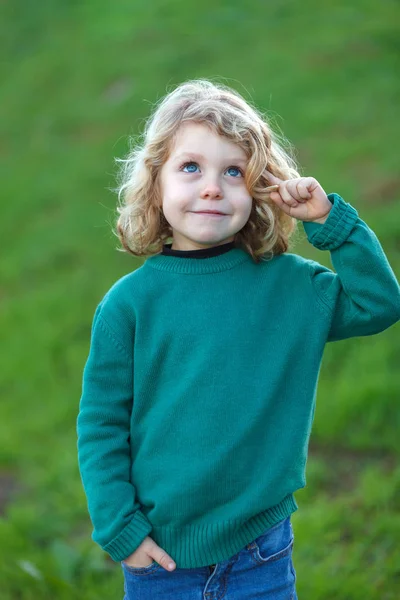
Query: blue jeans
[262, 569]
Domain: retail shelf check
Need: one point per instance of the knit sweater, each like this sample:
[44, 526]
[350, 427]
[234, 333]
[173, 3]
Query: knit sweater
[199, 389]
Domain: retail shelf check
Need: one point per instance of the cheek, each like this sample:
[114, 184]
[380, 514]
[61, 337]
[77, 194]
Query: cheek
[244, 201]
[245, 208]
[178, 193]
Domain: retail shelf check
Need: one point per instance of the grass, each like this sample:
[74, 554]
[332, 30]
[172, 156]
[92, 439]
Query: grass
[78, 79]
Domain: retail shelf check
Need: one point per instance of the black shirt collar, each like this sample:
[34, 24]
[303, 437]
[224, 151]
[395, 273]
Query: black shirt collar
[201, 253]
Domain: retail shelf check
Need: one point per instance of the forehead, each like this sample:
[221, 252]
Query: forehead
[200, 142]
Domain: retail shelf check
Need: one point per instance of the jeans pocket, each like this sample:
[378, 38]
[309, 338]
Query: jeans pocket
[140, 570]
[274, 544]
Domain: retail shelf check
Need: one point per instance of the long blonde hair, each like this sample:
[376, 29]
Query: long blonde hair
[141, 226]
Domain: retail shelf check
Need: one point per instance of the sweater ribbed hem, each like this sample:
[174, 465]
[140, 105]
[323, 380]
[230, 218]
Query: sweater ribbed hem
[130, 538]
[213, 264]
[196, 546]
[337, 227]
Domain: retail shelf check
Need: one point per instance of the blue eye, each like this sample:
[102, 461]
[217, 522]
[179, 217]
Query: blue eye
[186, 164]
[235, 169]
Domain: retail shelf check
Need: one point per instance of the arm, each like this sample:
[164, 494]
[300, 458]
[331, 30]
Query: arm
[103, 428]
[363, 297]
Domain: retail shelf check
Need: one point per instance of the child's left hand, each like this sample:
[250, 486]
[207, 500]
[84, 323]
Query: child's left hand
[302, 198]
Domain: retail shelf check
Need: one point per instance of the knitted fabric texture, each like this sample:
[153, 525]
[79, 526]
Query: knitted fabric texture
[199, 389]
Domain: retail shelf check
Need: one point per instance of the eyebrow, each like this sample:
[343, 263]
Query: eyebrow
[196, 156]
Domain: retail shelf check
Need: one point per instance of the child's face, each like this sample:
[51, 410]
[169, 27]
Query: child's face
[213, 180]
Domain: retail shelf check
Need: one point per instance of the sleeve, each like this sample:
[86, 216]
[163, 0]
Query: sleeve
[103, 429]
[363, 296]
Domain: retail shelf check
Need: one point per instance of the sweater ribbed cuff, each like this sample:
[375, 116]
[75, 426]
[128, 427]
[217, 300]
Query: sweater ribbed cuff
[130, 538]
[337, 227]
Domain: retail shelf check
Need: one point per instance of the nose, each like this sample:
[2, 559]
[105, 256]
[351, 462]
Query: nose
[212, 190]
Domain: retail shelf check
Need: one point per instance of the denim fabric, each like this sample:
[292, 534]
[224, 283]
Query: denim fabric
[262, 569]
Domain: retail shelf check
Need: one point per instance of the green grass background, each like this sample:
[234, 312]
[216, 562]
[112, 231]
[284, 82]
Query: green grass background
[77, 79]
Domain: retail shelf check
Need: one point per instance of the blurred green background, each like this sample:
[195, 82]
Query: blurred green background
[77, 79]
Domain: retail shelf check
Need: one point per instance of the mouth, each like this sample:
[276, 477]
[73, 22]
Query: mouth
[211, 213]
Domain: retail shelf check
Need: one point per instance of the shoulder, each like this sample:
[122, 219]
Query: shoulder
[117, 306]
[288, 262]
[122, 287]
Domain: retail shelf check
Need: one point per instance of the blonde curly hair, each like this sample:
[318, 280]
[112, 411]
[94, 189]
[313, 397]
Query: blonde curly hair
[141, 225]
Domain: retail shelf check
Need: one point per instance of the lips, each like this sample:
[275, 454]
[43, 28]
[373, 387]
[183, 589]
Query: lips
[209, 212]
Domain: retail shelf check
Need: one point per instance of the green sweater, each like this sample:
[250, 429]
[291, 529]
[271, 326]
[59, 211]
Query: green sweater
[199, 389]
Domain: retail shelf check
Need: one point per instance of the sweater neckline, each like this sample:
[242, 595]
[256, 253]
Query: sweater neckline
[222, 261]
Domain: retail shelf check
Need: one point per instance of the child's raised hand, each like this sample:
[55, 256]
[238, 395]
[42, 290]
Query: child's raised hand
[302, 198]
[147, 553]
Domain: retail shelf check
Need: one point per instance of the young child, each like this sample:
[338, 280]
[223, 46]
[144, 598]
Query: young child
[199, 390]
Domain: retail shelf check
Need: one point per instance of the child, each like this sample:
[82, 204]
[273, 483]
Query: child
[199, 390]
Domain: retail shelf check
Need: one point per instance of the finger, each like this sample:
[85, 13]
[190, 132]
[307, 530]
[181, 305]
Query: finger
[310, 182]
[291, 186]
[138, 562]
[276, 197]
[162, 558]
[286, 208]
[302, 189]
[272, 178]
[272, 188]
[287, 197]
